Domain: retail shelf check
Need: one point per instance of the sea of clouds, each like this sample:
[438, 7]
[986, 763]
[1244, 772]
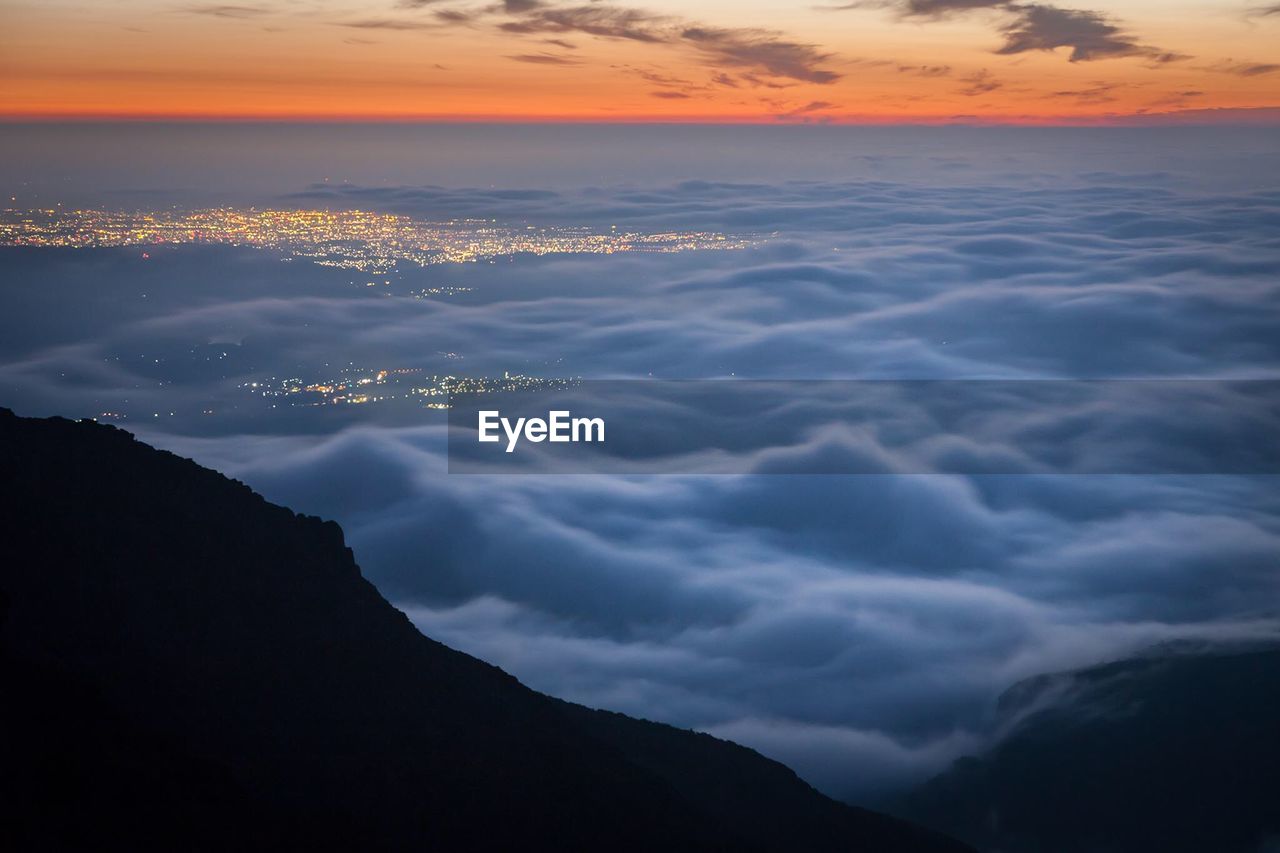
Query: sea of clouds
[858, 628]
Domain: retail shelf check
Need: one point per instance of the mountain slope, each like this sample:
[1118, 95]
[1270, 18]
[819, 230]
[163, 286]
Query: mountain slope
[1174, 752]
[195, 668]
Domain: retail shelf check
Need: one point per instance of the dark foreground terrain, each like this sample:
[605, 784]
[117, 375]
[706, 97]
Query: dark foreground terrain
[185, 666]
[1176, 752]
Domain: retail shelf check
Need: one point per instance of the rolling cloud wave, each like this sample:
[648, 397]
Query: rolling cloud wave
[857, 628]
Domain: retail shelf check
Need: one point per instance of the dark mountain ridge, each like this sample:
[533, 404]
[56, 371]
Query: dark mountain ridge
[1177, 751]
[190, 667]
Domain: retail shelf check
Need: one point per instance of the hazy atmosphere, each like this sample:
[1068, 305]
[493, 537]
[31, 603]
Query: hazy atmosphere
[289, 321]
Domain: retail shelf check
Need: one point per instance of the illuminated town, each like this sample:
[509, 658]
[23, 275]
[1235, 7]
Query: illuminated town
[355, 240]
[352, 386]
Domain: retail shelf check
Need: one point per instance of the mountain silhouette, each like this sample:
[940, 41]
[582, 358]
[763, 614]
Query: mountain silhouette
[186, 666]
[1177, 751]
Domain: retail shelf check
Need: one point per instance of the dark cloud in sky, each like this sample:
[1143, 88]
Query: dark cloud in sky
[1039, 26]
[762, 51]
[604, 21]
[942, 8]
[1089, 35]
[812, 107]
[979, 83]
[386, 24]
[1244, 69]
[1177, 99]
[228, 11]
[926, 70]
[454, 16]
[543, 59]
[665, 81]
[1097, 93]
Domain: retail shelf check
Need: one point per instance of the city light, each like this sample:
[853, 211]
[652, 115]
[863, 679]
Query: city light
[364, 241]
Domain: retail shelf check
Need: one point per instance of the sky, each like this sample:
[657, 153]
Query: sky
[869, 61]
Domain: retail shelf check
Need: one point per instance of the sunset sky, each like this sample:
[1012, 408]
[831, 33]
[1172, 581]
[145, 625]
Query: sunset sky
[879, 60]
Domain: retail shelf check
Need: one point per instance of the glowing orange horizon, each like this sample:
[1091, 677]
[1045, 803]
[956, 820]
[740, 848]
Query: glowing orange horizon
[1247, 116]
[895, 62]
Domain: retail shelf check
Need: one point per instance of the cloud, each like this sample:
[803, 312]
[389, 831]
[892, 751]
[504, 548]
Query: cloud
[925, 70]
[979, 83]
[765, 53]
[228, 11]
[762, 51]
[936, 9]
[1097, 93]
[385, 24]
[1037, 26]
[603, 21]
[814, 106]
[1089, 35]
[943, 8]
[1244, 69]
[671, 96]
[1177, 99]
[454, 16]
[666, 81]
[763, 83]
[858, 628]
[804, 112]
[543, 59]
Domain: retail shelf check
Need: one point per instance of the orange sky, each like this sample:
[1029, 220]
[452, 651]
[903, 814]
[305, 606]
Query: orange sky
[881, 60]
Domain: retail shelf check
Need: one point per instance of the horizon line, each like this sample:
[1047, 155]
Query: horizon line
[1264, 116]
